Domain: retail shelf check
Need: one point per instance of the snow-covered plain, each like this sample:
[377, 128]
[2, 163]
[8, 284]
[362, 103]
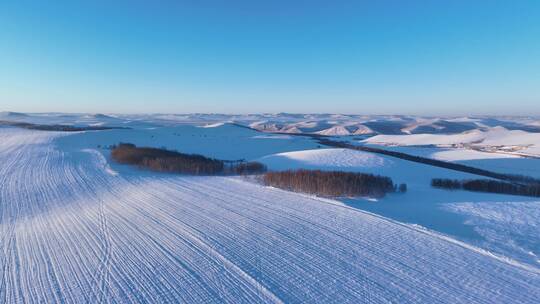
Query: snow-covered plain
[75, 228]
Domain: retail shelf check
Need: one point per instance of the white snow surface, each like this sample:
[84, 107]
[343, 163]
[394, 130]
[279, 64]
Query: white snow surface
[343, 159]
[466, 154]
[72, 232]
[333, 131]
[427, 139]
[513, 226]
[214, 125]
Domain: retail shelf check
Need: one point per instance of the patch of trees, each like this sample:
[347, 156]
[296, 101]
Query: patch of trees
[63, 128]
[487, 185]
[431, 162]
[332, 183]
[164, 160]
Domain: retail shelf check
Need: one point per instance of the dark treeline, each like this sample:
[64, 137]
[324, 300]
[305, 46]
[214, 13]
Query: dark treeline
[332, 183]
[244, 168]
[163, 160]
[64, 128]
[432, 162]
[487, 185]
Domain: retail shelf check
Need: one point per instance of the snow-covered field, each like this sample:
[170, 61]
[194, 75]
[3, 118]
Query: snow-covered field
[75, 227]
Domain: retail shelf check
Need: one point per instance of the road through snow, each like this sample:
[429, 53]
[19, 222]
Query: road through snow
[72, 230]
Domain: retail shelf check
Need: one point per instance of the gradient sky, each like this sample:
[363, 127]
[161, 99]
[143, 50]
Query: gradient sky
[364, 57]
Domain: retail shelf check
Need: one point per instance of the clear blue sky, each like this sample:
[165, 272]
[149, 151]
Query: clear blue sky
[411, 57]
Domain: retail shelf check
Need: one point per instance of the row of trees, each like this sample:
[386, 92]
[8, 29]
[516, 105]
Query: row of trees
[487, 185]
[332, 183]
[163, 160]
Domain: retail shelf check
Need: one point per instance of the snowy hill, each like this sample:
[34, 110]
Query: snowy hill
[12, 115]
[326, 159]
[439, 126]
[334, 131]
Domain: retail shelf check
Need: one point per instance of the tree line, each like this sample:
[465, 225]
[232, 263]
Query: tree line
[488, 185]
[332, 183]
[163, 160]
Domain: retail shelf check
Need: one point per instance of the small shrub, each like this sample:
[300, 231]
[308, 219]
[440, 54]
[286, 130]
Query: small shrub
[402, 188]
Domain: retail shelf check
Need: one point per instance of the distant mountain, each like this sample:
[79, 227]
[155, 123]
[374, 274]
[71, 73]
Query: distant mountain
[386, 126]
[335, 131]
[322, 124]
[6, 115]
[266, 126]
[360, 129]
[99, 116]
[292, 130]
[439, 126]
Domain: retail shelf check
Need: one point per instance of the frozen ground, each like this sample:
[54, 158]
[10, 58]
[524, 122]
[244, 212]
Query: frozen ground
[74, 228]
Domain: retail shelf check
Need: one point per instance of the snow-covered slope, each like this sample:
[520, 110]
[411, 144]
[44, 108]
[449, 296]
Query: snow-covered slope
[466, 154]
[422, 203]
[336, 159]
[12, 115]
[361, 130]
[439, 126]
[334, 131]
[73, 230]
[510, 225]
[427, 139]
[213, 125]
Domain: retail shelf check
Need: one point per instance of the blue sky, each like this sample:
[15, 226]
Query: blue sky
[372, 57]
